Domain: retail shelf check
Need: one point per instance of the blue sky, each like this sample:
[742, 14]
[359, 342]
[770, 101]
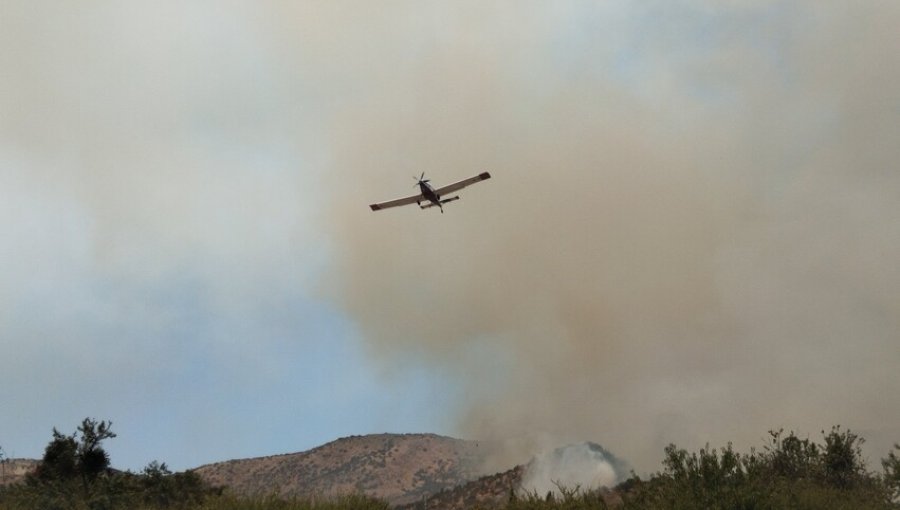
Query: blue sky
[179, 361]
[160, 255]
[694, 184]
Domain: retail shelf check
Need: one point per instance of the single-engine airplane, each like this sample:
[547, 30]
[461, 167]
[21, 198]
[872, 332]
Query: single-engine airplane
[432, 195]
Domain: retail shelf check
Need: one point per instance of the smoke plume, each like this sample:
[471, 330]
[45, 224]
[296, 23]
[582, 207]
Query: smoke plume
[583, 466]
[691, 234]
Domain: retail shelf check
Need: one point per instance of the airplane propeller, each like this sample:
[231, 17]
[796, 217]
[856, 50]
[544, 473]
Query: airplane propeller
[420, 179]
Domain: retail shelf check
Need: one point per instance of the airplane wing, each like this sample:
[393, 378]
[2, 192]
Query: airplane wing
[450, 188]
[398, 202]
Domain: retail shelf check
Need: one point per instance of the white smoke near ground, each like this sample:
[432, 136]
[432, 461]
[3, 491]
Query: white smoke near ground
[583, 467]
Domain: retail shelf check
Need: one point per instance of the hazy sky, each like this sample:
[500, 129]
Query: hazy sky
[692, 233]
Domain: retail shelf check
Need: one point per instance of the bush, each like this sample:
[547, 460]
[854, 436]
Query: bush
[790, 472]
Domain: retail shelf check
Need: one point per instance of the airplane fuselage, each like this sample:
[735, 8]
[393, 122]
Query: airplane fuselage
[428, 193]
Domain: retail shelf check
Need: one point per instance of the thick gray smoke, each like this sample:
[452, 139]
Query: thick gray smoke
[692, 231]
[691, 235]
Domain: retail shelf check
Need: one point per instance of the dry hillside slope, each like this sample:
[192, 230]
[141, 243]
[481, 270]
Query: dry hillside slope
[484, 492]
[399, 468]
[15, 470]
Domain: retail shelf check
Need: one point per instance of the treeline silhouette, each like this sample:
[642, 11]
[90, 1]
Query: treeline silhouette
[788, 472]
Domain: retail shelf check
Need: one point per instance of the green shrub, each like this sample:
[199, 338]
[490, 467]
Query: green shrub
[789, 473]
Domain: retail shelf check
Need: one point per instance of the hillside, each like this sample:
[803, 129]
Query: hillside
[483, 492]
[399, 468]
[583, 465]
[14, 470]
[495, 491]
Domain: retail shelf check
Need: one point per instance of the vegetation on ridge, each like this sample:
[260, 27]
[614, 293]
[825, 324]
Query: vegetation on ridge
[789, 472]
[75, 474]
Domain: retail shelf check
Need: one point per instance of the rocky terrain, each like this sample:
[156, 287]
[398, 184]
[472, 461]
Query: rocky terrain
[399, 468]
[14, 470]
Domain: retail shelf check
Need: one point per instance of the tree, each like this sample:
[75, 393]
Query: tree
[843, 460]
[92, 459]
[58, 462]
[791, 457]
[891, 466]
[80, 455]
[75, 474]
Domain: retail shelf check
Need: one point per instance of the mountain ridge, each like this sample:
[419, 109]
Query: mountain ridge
[405, 470]
[399, 468]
